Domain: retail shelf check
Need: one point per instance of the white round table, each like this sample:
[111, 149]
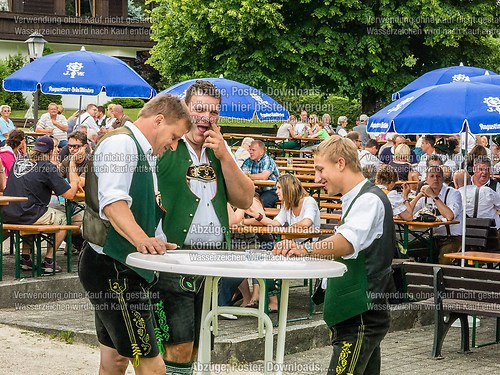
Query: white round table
[257, 264]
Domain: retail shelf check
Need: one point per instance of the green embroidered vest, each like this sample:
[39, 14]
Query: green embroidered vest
[179, 201]
[369, 277]
[146, 212]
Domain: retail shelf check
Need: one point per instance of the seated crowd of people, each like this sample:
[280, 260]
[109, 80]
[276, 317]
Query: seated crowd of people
[428, 178]
[54, 167]
[432, 173]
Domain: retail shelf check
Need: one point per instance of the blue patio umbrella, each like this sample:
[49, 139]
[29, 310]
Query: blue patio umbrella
[450, 108]
[79, 73]
[443, 109]
[488, 79]
[442, 76]
[239, 101]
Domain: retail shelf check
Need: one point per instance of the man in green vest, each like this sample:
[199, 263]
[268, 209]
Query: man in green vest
[123, 215]
[196, 182]
[356, 308]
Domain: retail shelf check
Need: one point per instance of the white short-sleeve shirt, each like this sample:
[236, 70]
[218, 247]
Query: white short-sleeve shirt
[453, 201]
[309, 211]
[364, 223]
[45, 122]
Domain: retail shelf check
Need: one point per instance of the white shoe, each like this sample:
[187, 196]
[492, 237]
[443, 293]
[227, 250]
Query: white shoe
[228, 316]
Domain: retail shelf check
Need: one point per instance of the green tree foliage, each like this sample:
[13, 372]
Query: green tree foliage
[45, 99]
[126, 102]
[8, 66]
[335, 106]
[363, 49]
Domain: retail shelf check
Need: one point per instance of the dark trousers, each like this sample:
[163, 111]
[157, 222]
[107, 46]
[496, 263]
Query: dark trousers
[227, 287]
[269, 198]
[356, 343]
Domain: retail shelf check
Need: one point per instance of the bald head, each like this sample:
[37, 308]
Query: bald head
[118, 109]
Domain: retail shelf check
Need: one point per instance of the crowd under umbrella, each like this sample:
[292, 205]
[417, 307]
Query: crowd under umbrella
[447, 109]
[238, 100]
[79, 73]
[460, 73]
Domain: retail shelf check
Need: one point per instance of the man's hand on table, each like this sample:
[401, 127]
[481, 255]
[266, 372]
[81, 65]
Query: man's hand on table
[153, 245]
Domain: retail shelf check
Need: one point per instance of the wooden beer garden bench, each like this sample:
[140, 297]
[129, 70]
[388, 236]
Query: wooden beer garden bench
[454, 292]
[41, 233]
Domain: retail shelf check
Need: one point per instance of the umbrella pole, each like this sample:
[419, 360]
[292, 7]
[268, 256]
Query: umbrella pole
[79, 114]
[464, 196]
[35, 108]
[491, 154]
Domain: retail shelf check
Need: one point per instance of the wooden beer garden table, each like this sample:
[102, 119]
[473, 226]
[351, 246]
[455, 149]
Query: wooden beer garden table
[422, 231]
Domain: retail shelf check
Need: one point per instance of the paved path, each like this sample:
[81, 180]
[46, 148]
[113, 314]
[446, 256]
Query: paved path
[404, 352]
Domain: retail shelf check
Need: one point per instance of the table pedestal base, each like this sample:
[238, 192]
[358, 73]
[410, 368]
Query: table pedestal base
[265, 327]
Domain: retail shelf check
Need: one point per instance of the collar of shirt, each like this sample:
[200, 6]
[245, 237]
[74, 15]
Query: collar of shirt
[141, 139]
[203, 158]
[442, 193]
[351, 194]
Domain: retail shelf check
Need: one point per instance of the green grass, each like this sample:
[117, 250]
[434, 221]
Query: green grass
[133, 112]
[65, 336]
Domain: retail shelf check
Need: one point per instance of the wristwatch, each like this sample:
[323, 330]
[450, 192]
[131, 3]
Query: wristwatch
[309, 247]
[436, 198]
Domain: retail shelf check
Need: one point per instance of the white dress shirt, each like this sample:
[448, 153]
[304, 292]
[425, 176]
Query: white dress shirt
[364, 222]
[299, 128]
[488, 202]
[453, 201]
[367, 158]
[86, 120]
[397, 201]
[114, 163]
[205, 227]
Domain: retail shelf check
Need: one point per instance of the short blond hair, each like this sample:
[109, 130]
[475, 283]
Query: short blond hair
[336, 147]
[402, 152]
[170, 106]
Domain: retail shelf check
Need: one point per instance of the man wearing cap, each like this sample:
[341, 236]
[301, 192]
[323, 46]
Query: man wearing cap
[361, 129]
[36, 178]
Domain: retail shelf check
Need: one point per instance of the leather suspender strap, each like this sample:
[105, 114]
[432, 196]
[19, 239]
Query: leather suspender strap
[448, 231]
[476, 202]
